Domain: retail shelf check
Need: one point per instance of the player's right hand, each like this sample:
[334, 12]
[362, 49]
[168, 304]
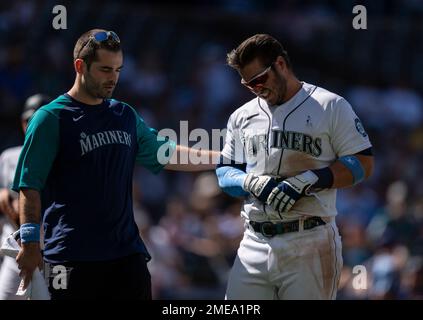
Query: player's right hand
[28, 259]
[259, 186]
[283, 197]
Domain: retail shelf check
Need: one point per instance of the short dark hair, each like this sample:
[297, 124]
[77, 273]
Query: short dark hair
[86, 49]
[261, 46]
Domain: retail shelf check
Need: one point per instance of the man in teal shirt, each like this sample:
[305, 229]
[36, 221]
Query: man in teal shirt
[76, 168]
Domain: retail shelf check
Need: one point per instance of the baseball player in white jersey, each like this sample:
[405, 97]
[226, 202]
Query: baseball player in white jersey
[286, 152]
[9, 271]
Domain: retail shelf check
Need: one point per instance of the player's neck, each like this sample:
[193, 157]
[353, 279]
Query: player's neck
[293, 86]
[79, 94]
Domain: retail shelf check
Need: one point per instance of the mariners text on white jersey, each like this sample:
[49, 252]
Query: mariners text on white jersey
[310, 131]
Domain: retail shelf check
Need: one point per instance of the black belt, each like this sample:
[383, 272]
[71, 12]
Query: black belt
[269, 229]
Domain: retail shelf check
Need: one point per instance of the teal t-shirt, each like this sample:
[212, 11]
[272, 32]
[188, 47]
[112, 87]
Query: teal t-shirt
[81, 158]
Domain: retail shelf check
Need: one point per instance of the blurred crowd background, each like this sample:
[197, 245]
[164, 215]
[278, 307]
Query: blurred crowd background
[175, 69]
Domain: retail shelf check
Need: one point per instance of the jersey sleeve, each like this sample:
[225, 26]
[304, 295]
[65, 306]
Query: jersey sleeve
[154, 151]
[347, 132]
[38, 152]
[233, 148]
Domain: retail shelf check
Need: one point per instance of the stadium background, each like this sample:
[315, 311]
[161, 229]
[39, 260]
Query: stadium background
[174, 69]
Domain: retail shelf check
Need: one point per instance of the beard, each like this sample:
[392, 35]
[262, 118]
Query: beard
[281, 90]
[277, 90]
[96, 89]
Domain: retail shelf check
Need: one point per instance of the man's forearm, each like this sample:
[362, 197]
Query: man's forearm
[342, 177]
[29, 206]
[29, 256]
[189, 159]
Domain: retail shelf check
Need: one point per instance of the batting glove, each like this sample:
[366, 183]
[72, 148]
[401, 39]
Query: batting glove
[289, 191]
[259, 186]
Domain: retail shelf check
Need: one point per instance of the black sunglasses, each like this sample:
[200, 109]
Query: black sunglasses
[259, 79]
[100, 37]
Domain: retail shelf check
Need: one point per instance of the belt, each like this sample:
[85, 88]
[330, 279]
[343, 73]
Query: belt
[269, 229]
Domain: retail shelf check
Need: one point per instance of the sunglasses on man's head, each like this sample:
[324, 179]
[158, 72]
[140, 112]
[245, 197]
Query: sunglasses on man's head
[100, 37]
[259, 79]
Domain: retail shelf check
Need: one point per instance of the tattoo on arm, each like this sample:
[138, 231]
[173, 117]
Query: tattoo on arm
[29, 206]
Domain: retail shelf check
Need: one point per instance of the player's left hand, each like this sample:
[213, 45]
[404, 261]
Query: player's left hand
[28, 259]
[283, 197]
[259, 186]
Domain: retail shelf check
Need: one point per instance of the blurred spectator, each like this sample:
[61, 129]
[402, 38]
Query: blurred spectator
[355, 244]
[404, 106]
[148, 79]
[394, 220]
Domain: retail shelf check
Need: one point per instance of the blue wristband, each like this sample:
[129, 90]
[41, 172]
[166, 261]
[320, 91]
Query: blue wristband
[325, 176]
[354, 165]
[30, 232]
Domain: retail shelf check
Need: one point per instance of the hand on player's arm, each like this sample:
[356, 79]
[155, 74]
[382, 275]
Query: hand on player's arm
[29, 256]
[189, 159]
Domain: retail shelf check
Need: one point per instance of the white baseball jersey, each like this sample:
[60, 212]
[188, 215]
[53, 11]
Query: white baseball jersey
[310, 131]
[9, 272]
[8, 161]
